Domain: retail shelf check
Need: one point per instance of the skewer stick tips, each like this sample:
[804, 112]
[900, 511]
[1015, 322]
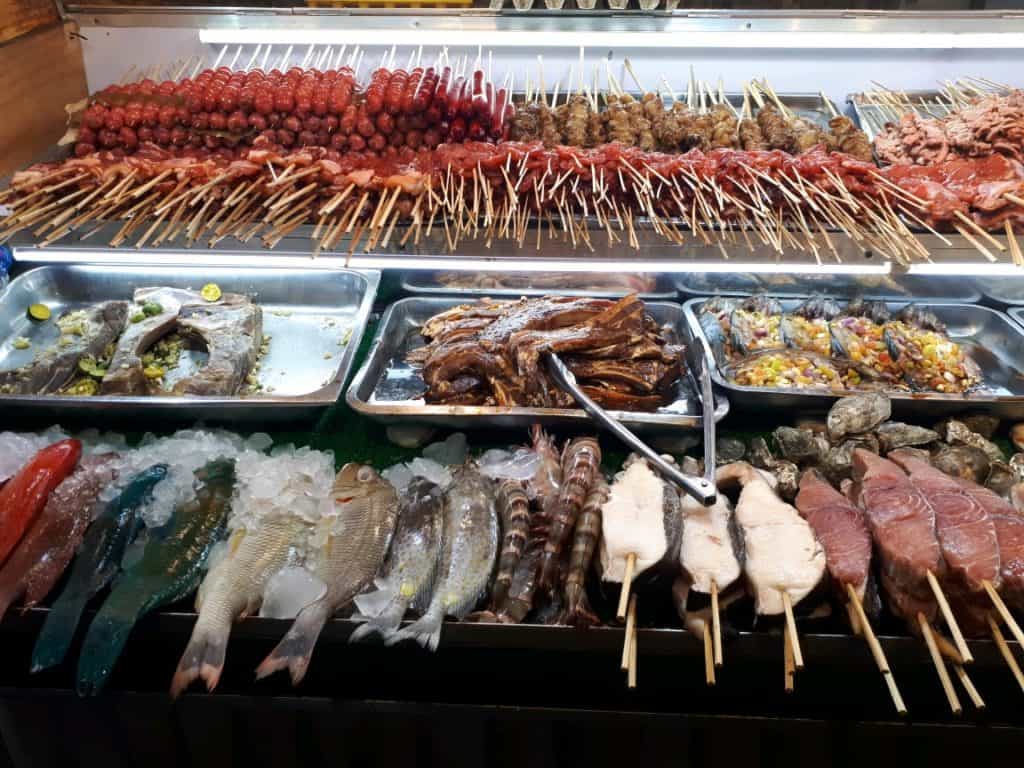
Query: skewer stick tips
[972, 692]
[789, 666]
[940, 666]
[716, 624]
[1004, 612]
[627, 581]
[629, 633]
[1004, 649]
[709, 656]
[798, 657]
[876, 649]
[947, 614]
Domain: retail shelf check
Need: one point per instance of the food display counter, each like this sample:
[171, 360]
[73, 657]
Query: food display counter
[481, 384]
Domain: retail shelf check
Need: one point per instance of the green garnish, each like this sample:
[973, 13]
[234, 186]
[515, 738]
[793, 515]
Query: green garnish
[90, 366]
[151, 308]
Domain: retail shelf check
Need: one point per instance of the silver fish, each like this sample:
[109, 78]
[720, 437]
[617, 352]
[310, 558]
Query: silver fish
[84, 332]
[411, 566]
[467, 555]
[125, 374]
[367, 508]
[234, 589]
[232, 334]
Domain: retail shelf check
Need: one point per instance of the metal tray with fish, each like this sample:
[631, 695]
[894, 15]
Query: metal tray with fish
[990, 338]
[654, 287]
[314, 318]
[868, 286]
[389, 389]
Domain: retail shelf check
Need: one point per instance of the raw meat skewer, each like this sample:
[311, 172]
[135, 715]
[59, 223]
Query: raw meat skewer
[843, 531]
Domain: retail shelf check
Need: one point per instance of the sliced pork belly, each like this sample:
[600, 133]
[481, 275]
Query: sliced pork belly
[782, 554]
[902, 525]
[841, 528]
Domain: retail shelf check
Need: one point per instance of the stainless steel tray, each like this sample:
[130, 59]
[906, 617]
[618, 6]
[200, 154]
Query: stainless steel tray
[873, 117]
[388, 389]
[315, 318]
[934, 290]
[989, 336]
[426, 282]
[1017, 313]
[1004, 290]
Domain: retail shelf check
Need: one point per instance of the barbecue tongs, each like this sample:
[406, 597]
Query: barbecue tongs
[703, 488]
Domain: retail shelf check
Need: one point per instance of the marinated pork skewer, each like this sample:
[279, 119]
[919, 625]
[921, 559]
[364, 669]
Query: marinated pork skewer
[842, 530]
[784, 562]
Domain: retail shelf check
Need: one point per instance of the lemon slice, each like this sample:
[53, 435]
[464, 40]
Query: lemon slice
[211, 292]
[39, 312]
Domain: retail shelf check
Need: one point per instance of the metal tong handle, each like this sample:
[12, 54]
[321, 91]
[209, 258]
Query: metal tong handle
[707, 402]
[701, 489]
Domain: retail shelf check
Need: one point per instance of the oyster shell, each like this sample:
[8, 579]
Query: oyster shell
[958, 433]
[896, 434]
[856, 414]
[800, 446]
[1001, 478]
[759, 454]
[964, 461]
[728, 450]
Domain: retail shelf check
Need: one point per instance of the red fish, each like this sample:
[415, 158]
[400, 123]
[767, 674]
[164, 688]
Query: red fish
[51, 540]
[25, 495]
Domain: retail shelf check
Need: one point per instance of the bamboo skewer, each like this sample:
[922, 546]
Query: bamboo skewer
[709, 657]
[788, 663]
[1004, 649]
[716, 624]
[947, 614]
[876, 650]
[940, 665]
[1004, 612]
[972, 692]
[631, 672]
[627, 638]
[798, 657]
[627, 582]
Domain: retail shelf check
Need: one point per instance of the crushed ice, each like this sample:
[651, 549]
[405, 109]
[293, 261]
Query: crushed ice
[450, 451]
[520, 464]
[289, 591]
[16, 448]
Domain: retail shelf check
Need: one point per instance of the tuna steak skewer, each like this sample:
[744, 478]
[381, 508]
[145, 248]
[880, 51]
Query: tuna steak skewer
[842, 530]
[581, 462]
[784, 560]
[902, 525]
[967, 538]
[1009, 526]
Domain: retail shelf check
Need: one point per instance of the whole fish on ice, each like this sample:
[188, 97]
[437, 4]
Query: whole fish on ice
[367, 509]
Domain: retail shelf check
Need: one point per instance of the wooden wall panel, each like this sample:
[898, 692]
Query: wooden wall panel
[20, 16]
[39, 73]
